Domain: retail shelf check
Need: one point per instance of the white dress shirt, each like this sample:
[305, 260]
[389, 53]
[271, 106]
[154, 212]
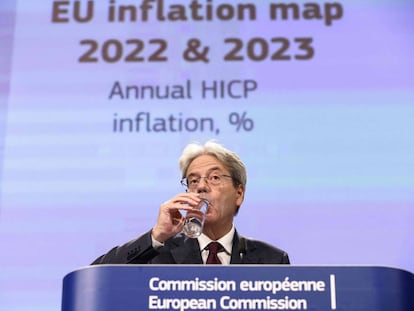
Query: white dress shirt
[226, 241]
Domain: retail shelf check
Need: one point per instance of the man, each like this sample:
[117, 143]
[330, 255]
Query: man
[210, 171]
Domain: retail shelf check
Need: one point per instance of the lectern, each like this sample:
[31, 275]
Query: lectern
[237, 287]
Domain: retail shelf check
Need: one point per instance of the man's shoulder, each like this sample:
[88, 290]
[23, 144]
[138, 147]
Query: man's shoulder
[258, 244]
[265, 252]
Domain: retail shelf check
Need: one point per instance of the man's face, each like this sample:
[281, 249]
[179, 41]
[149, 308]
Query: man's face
[224, 197]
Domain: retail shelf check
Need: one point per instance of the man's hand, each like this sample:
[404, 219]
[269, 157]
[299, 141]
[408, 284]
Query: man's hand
[170, 221]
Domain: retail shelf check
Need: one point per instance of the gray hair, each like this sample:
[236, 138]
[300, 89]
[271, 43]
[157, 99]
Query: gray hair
[229, 159]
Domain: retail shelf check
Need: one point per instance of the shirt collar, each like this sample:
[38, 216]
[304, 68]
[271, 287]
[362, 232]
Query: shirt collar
[226, 241]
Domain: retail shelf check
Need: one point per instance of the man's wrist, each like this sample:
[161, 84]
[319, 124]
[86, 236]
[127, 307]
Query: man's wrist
[156, 243]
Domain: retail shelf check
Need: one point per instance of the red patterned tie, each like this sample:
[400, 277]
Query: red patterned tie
[213, 249]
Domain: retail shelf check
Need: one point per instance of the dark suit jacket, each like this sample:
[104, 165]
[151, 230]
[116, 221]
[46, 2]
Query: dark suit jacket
[182, 250]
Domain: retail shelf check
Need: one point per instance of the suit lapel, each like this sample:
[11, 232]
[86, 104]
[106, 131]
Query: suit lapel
[245, 254]
[235, 255]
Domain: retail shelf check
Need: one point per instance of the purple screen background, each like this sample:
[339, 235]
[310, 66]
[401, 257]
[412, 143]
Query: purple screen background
[330, 159]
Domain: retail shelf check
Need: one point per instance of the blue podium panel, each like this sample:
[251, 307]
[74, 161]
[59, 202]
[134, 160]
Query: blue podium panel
[237, 287]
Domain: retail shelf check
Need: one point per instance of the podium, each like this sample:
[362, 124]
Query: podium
[237, 287]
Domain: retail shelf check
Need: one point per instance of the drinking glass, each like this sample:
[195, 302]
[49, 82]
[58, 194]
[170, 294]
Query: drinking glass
[194, 219]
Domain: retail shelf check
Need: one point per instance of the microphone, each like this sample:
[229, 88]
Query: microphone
[242, 248]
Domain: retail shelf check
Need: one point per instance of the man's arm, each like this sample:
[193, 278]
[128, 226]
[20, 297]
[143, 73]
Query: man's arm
[137, 251]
